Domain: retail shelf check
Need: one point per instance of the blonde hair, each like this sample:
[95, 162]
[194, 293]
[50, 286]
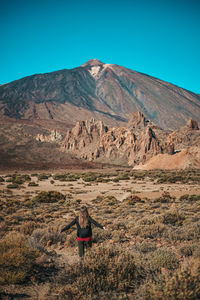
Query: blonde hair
[83, 217]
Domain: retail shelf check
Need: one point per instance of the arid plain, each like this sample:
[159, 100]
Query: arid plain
[149, 250]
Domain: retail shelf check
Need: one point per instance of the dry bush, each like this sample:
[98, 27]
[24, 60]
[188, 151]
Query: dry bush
[100, 236]
[184, 284]
[17, 259]
[149, 231]
[132, 200]
[189, 249]
[70, 239]
[110, 201]
[165, 198]
[41, 237]
[106, 270]
[162, 258]
[171, 217]
[144, 247]
[185, 233]
[28, 227]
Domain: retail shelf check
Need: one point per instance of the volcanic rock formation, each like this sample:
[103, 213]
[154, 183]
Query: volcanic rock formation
[140, 140]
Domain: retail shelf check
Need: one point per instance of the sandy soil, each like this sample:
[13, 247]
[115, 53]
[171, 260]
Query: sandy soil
[121, 190]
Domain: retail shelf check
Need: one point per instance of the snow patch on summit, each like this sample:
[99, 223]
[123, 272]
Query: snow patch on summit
[94, 71]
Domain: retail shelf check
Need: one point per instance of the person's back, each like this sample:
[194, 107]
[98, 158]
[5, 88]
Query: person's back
[84, 229]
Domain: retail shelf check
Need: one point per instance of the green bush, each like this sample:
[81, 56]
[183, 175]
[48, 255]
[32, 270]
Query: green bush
[12, 186]
[43, 176]
[66, 177]
[2, 179]
[187, 197]
[32, 183]
[48, 197]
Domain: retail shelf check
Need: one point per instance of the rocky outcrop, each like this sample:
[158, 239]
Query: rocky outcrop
[129, 145]
[192, 124]
[54, 136]
[186, 136]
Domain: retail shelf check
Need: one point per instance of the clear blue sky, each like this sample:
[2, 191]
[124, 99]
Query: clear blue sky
[159, 38]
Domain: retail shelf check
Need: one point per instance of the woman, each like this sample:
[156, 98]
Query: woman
[84, 229]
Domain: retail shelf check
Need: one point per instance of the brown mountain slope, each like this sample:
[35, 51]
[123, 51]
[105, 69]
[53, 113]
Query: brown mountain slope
[104, 91]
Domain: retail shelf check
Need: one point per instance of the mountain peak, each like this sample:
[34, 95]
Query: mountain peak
[92, 62]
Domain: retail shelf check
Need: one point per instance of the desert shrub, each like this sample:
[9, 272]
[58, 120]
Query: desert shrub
[9, 179]
[104, 180]
[17, 259]
[32, 183]
[172, 217]
[48, 197]
[149, 231]
[122, 176]
[188, 250]
[184, 284]
[110, 200]
[41, 237]
[43, 176]
[165, 198]
[28, 228]
[138, 175]
[100, 236]
[52, 181]
[187, 197]
[184, 233]
[66, 177]
[12, 186]
[132, 199]
[171, 179]
[90, 176]
[145, 247]
[107, 269]
[162, 258]
[19, 179]
[2, 179]
[147, 220]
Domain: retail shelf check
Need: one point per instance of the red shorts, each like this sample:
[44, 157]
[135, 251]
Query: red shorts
[87, 239]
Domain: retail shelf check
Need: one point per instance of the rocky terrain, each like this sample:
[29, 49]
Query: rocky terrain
[44, 119]
[106, 92]
[134, 143]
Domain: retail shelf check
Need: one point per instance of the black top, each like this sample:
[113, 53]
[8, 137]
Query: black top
[83, 232]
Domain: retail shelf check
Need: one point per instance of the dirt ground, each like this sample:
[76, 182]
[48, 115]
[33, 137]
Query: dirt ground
[88, 191]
